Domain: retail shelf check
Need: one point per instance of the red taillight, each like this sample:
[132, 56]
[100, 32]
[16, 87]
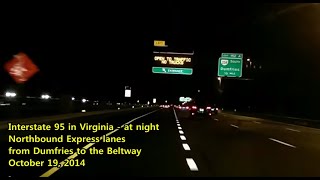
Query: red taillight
[194, 107]
[179, 107]
[208, 107]
[187, 107]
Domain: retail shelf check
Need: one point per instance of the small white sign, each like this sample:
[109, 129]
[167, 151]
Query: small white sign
[224, 62]
[127, 93]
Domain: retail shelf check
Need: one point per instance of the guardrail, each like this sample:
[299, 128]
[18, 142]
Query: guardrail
[35, 107]
[284, 119]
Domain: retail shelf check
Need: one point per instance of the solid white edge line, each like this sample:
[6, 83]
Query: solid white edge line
[175, 114]
[88, 146]
[292, 130]
[73, 156]
[216, 119]
[140, 117]
[186, 147]
[55, 169]
[234, 126]
[257, 122]
[283, 143]
[192, 165]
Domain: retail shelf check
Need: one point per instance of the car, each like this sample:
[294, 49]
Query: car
[185, 107]
[165, 106]
[214, 110]
[203, 109]
[200, 111]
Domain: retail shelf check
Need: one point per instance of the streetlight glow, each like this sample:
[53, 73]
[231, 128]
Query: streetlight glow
[10, 94]
[45, 96]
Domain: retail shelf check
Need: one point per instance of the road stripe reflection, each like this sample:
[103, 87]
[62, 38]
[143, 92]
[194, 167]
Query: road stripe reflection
[192, 165]
[283, 143]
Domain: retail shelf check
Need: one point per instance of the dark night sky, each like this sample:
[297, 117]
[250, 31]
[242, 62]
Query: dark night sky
[84, 49]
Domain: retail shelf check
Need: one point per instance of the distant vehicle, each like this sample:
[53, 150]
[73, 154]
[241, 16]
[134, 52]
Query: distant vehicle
[201, 108]
[186, 106]
[165, 106]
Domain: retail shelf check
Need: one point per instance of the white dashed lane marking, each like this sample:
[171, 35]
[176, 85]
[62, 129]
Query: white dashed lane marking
[234, 126]
[192, 165]
[183, 138]
[283, 143]
[292, 130]
[186, 147]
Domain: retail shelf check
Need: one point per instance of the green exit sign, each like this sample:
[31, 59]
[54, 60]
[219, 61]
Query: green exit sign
[232, 55]
[168, 70]
[230, 67]
[185, 99]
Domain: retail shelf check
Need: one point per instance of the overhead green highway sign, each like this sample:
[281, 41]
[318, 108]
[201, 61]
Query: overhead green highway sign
[185, 99]
[169, 70]
[232, 55]
[230, 67]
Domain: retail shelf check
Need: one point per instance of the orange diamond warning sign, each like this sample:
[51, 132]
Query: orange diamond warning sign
[21, 68]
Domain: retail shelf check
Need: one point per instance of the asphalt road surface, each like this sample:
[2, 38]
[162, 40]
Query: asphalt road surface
[221, 145]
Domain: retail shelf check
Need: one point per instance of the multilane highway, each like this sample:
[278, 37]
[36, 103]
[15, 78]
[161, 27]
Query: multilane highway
[170, 144]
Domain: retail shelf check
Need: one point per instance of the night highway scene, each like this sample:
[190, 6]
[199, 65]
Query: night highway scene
[159, 89]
